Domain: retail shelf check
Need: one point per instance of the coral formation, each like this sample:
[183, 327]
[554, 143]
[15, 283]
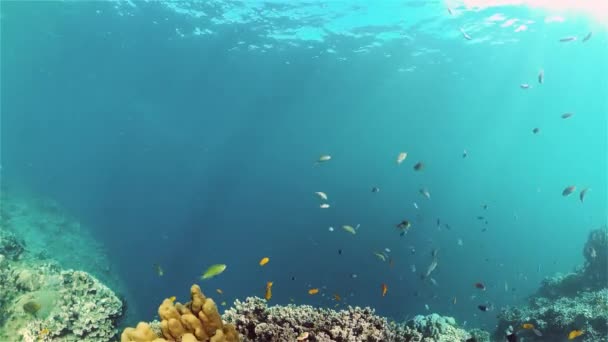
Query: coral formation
[69, 305]
[578, 300]
[437, 328]
[41, 302]
[197, 320]
[258, 322]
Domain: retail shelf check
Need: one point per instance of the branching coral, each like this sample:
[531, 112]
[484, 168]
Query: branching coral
[197, 320]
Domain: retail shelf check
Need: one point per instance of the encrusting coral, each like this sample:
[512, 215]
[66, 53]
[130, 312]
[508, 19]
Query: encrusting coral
[197, 320]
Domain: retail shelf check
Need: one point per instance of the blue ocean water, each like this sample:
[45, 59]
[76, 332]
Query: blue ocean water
[186, 134]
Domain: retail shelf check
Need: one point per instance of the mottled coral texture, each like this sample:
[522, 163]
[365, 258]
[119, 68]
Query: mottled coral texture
[258, 322]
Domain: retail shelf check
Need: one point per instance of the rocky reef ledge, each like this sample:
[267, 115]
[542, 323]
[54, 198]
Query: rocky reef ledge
[567, 302]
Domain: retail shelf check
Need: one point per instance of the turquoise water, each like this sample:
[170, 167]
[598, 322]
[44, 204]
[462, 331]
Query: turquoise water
[186, 135]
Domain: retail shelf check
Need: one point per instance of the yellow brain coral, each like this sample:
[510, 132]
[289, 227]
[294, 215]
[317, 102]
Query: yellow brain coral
[195, 321]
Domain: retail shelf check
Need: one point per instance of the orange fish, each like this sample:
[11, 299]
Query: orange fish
[527, 326]
[313, 291]
[268, 294]
[219, 291]
[574, 334]
[337, 297]
[384, 289]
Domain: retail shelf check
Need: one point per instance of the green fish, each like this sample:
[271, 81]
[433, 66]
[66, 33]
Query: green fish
[349, 229]
[380, 256]
[213, 270]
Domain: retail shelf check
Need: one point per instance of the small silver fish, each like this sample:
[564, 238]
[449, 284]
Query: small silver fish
[524, 86]
[567, 39]
[465, 35]
[541, 76]
[430, 269]
[425, 192]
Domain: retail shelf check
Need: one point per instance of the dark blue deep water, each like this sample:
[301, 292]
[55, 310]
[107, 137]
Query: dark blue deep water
[185, 150]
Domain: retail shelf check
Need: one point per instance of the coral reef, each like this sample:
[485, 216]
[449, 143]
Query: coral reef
[197, 320]
[66, 305]
[10, 247]
[437, 328]
[258, 322]
[48, 231]
[577, 300]
[40, 301]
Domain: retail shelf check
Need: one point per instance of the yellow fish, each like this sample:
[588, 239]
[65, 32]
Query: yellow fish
[337, 297]
[574, 334]
[172, 298]
[401, 157]
[268, 294]
[313, 291]
[219, 291]
[264, 261]
[527, 326]
[302, 336]
[213, 270]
